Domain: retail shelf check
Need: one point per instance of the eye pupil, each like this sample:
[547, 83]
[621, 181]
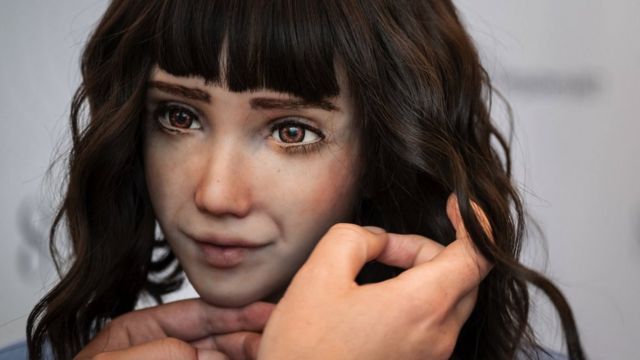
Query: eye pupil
[292, 134]
[180, 118]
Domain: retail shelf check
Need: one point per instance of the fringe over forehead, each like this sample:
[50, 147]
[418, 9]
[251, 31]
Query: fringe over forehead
[283, 45]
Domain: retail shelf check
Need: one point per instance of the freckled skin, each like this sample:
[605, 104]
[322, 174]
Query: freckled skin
[232, 178]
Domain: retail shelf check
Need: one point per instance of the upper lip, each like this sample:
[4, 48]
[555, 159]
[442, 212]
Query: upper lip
[227, 241]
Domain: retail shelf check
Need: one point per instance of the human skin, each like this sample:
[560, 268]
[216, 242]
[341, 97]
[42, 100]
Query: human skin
[243, 188]
[182, 170]
[187, 329]
[324, 313]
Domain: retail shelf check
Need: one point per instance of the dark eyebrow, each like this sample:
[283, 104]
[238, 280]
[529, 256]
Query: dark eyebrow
[187, 92]
[291, 104]
[256, 103]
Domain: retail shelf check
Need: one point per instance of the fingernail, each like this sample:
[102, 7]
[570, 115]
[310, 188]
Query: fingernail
[375, 229]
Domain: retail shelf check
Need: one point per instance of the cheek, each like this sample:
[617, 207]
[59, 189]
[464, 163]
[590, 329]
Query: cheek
[319, 195]
[157, 184]
[167, 178]
[334, 192]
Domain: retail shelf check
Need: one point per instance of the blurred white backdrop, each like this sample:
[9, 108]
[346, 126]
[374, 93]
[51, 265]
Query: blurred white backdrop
[570, 70]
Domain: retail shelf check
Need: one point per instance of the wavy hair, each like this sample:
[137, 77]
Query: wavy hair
[422, 102]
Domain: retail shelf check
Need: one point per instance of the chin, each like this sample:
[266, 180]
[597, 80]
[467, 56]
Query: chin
[231, 298]
[238, 288]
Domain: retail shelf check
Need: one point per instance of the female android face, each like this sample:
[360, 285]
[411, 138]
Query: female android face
[243, 184]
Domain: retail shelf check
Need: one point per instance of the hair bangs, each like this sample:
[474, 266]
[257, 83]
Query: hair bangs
[281, 45]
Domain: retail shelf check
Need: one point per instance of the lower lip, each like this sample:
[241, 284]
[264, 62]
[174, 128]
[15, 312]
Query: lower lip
[224, 256]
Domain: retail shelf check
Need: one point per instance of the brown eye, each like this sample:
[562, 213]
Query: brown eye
[295, 133]
[291, 134]
[180, 118]
[175, 117]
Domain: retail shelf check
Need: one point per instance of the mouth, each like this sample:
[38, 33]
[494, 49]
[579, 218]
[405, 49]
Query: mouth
[226, 253]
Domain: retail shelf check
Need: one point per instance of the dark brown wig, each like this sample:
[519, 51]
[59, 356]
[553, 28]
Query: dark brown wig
[422, 101]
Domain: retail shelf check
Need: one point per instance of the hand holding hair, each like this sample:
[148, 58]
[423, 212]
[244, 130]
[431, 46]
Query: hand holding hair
[188, 329]
[325, 315]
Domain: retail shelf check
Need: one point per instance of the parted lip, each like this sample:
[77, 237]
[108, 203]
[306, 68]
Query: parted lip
[227, 241]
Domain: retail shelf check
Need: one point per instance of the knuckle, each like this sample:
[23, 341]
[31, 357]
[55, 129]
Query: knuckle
[346, 230]
[347, 234]
[118, 326]
[124, 322]
[114, 324]
[344, 235]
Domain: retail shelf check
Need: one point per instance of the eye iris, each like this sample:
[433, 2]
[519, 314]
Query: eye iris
[180, 118]
[291, 134]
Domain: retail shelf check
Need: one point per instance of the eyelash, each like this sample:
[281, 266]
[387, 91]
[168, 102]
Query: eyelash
[298, 148]
[293, 148]
[162, 110]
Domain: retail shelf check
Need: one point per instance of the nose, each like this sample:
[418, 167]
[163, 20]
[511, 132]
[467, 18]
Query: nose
[224, 186]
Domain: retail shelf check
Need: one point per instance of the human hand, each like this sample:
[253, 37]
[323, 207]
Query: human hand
[324, 314]
[188, 329]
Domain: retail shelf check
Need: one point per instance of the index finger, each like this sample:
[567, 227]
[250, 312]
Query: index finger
[460, 263]
[408, 250]
[342, 252]
[191, 321]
